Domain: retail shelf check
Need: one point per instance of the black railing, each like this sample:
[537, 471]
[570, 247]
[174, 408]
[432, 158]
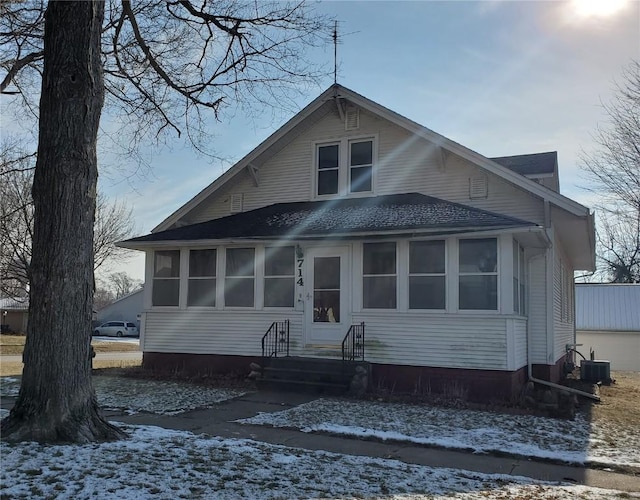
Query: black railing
[276, 340]
[353, 343]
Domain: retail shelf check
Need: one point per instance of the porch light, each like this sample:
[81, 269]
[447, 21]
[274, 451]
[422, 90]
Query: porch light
[299, 252]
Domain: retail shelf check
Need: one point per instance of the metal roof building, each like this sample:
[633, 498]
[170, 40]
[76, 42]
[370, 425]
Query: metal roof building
[608, 307]
[608, 322]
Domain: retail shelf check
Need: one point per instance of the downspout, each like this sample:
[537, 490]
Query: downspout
[529, 363]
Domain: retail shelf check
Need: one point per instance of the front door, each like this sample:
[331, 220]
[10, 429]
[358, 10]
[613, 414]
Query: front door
[328, 297]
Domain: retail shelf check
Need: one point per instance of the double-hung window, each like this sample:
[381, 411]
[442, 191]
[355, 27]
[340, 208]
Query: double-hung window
[166, 278]
[202, 278]
[279, 276]
[328, 169]
[344, 166]
[427, 278]
[239, 282]
[478, 274]
[379, 275]
[360, 166]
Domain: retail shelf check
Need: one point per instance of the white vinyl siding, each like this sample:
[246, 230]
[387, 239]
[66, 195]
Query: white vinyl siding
[403, 164]
[563, 303]
[537, 315]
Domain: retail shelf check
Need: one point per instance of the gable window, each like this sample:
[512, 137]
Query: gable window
[518, 279]
[202, 278]
[360, 166]
[379, 275]
[478, 274]
[166, 278]
[328, 169]
[279, 276]
[239, 277]
[427, 278]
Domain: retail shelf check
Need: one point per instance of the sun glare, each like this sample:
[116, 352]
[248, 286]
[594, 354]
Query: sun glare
[597, 8]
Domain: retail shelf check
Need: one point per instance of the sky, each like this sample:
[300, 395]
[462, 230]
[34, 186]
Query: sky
[499, 77]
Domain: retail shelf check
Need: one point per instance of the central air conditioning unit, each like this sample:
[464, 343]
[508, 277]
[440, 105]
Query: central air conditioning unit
[595, 371]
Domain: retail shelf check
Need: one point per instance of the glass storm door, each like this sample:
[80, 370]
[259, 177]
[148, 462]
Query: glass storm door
[328, 299]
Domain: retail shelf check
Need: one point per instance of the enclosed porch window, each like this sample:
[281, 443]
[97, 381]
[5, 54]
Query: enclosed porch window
[279, 276]
[379, 275]
[166, 278]
[478, 274]
[239, 283]
[202, 278]
[427, 276]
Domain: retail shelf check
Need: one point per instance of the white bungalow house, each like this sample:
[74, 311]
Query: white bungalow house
[459, 266]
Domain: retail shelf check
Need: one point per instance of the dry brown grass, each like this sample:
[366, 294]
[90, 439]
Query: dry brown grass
[13, 345]
[620, 403]
[13, 369]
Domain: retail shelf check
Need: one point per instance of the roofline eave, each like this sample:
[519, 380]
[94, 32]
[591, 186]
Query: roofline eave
[433, 232]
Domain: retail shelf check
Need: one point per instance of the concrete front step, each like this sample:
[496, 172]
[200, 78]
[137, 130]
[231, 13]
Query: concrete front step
[309, 375]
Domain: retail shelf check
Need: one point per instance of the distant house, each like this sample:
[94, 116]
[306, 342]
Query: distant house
[127, 308]
[14, 315]
[608, 321]
[459, 266]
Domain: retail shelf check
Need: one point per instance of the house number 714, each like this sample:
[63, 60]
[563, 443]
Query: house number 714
[300, 280]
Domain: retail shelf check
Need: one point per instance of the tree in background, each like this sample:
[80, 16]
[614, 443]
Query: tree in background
[613, 170]
[113, 223]
[163, 67]
[121, 284]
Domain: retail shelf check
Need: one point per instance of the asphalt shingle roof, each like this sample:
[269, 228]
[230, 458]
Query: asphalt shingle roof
[343, 217]
[531, 164]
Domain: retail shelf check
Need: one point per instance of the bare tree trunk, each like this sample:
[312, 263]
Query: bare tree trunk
[57, 401]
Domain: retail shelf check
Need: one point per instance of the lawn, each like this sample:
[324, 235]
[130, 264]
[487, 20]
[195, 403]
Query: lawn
[164, 463]
[13, 345]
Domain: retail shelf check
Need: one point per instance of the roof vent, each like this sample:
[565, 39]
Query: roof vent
[352, 118]
[236, 203]
[478, 187]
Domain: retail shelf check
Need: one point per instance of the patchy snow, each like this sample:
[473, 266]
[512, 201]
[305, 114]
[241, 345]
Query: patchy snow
[162, 463]
[577, 441]
[135, 395]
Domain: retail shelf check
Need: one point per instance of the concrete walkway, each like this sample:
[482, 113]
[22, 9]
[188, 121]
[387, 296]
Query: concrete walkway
[219, 421]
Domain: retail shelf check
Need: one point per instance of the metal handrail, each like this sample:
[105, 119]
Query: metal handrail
[276, 339]
[353, 343]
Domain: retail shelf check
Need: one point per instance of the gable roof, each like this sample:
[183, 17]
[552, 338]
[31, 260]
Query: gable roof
[530, 165]
[410, 213]
[608, 307]
[336, 93]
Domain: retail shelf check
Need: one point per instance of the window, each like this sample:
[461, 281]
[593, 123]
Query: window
[478, 279]
[279, 276]
[328, 169]
[518, 279]
[427, 279]
[379, 275]
[239, 277]
[166, 278]
[202, 278]
[344, 167]
[360, 166]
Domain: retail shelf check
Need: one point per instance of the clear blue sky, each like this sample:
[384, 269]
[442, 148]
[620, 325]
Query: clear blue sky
[500, 77]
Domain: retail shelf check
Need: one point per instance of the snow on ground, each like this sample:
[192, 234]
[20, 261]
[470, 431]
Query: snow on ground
[135, 395]
[577, 441]
[162, 463]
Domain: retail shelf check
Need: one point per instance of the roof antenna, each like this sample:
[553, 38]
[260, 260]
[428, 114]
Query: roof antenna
[335, 52]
